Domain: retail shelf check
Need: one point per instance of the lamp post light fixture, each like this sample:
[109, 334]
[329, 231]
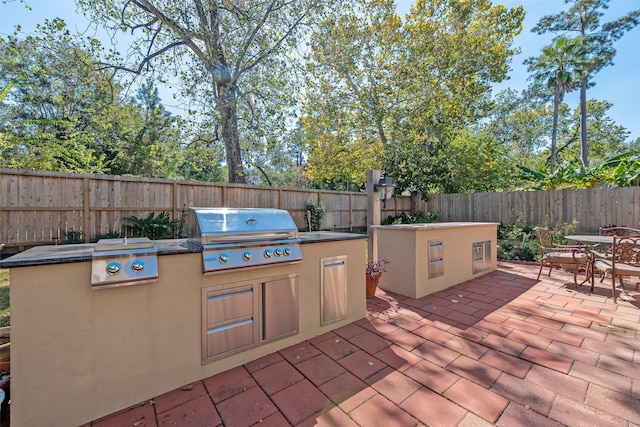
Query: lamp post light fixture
[384, 188]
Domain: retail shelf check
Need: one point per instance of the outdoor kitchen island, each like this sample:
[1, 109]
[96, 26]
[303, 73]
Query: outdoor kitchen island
[426, 258]
[81, 352]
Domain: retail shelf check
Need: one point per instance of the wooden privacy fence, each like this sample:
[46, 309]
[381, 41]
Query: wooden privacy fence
[41, 207]
[591, 208]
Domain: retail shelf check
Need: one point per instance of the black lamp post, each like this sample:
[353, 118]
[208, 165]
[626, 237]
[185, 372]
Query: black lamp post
[384, 188]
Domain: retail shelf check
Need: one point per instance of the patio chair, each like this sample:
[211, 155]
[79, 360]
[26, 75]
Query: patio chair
[570, 258]
[607, 248]
[624, 261]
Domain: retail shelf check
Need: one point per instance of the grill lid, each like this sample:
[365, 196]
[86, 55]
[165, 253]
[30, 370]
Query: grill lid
[233, 238]
[220, 225]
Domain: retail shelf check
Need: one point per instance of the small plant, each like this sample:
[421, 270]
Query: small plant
[376, 268]
[314, 214]
[73, 236]
[153, 227]
[112, 235]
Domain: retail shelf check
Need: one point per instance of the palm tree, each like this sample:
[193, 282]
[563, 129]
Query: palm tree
[563, 65]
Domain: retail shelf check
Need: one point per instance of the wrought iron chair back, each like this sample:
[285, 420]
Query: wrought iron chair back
[625, 260]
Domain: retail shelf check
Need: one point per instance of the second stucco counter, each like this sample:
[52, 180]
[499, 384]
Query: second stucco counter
[426, 258]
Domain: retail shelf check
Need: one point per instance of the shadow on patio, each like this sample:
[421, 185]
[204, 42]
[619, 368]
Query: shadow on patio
[502, 349]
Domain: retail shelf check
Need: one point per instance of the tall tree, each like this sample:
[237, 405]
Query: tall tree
[221, 41]
[583, 17]
[406, 86]
[562, 64]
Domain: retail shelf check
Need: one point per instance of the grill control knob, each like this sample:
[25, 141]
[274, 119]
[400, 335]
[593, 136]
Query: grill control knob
[279, 252]
[287, 251]
[268, 253]
[114, 268]
[137, 266]
[224, 257]
[247, 255]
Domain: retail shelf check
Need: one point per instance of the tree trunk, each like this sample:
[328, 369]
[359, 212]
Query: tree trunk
[227, 107]
[584, 149]
[554, 131]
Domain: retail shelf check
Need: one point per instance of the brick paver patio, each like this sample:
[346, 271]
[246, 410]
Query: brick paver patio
[502, 349]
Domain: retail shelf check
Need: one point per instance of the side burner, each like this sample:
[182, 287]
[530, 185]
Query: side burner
[123, 262]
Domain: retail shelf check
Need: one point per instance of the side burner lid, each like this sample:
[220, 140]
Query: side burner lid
[123, 244]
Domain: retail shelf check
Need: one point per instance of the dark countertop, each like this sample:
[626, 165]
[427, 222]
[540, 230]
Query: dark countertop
[59, 254]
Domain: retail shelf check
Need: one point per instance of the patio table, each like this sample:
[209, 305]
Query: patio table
[591, 238]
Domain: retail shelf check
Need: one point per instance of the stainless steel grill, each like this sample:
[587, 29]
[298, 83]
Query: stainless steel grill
[244, 237]
[123, 262]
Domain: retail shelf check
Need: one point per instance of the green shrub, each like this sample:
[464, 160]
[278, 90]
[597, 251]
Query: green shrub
[419, 218]
[315, 211]
[153, 227]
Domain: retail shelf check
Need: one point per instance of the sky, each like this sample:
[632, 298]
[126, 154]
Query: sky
[618, 83]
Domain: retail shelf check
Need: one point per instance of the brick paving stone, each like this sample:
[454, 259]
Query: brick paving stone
[507, 363]
[405, 339]
[393, 385]
[504, 345]
[197, 412]
[380, 327]
[557, 335]
[619, 351]
[397, 357]
[246, 408]
[379, 411]
[407, 323]
[538, 398]
[482, 402]
[179, 396]
[622, 367]
[300, 401]
[518, 415]
[616, 403]
[573, 413]
[140, 415]
[469, 333]
[362, 364]
[263, 362]
[475, 371]
[545, 358]
[349, 331]
[522, 325]
[336, 347]
[320, 369]
[274, 420]
[369, 342]
[472, 420]
[300, 352]
[435, 353]
[433, 334]
[328, 417]
[602, 377]
[558, 382]
[545, 322]
[576, 353]
[532, 340]
[599, 334]
[432, 376]
[466, 347]
[494, 328]
[567, 318]
[347, 391]
[228, 383]
[278, 376]
[433, 409]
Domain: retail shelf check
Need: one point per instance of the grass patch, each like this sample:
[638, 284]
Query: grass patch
[5, 310]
